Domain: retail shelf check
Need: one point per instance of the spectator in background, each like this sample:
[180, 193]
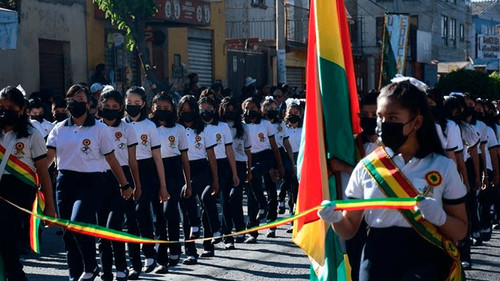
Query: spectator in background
[99, 75]
[36, 113]
[59, 111]
[192, 87]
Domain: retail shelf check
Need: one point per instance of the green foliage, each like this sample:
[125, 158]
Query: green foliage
[476, 83]
[495, 77]
[128, 15]
[9, 4]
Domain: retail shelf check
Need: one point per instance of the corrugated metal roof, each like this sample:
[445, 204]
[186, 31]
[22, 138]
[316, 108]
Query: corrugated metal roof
[480, 7]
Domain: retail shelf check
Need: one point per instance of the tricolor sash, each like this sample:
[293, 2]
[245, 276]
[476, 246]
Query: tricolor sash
[19, 169]
[394, 183]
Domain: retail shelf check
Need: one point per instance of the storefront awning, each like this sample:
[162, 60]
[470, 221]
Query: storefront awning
[8, 29]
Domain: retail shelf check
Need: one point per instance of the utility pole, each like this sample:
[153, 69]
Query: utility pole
[280, 41]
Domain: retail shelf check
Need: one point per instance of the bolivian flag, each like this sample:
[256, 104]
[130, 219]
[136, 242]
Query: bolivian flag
[330, 122]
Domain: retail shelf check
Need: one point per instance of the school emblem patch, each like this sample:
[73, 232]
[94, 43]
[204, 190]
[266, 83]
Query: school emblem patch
[433, 178]
[86, 146]
[118, 136]
[144, 139]
[280, 128]
[218, 137]
[19, 148]
[261, 137]
[198, 142]
[171, 139]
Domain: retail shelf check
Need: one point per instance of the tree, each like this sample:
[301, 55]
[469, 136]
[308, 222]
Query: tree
[132, 17]
[10, 4]
[495, 76]
[476, 83]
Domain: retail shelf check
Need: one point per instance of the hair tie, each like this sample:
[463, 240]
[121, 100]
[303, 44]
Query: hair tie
[290, 101]
[21, 89]
[414, 81]
[269, 99]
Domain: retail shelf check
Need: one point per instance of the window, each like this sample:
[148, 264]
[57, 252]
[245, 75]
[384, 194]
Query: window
[453, 32]
[444, 29]
[462, 33]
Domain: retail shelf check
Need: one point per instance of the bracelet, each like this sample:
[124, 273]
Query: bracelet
[125, 186]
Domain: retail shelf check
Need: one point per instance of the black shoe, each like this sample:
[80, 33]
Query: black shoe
[190, 260]
[281, 207]
[207, 254]
[271, 233]
[195, 232]
[107, 277]
[162, 269]
[95, 273]
[477, 242]
[217, 238]
[173, 262]
[124, 278]
[262, 214]
[150, 268]
[486, 236]
[134, 275]
[239, 239]
[251, 240]
[466, 265]
[229, 246]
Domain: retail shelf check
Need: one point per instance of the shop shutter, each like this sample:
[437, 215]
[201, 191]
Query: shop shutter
[295, 76]
[200, 55]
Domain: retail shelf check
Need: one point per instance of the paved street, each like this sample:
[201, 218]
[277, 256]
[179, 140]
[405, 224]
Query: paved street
[270, 259]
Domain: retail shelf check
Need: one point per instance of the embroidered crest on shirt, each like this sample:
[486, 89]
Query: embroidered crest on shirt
[171, 139]
[280, 128]
[198, 142]
[261, 137]
[433, 179]
[144, 139]
[218, 137]
[118, 136]
[19, 148]
[86, 146]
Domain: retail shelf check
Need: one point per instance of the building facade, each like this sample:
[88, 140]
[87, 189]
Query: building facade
[486, 47]
[51, 52]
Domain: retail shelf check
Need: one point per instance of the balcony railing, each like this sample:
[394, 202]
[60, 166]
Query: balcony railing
[297, 20]
[251, 29]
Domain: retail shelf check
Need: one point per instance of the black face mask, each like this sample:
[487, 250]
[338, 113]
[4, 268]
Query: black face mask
[165, 116]
[468, 111]
[9, 117]
[60, 116]
[38, 118]
[207, 116]
[133, 110]
[187, 117]
[391, 134]
[109, 114]
[272, 114]
[77, 109]
[293, 118]
[369, 125]
[457, 119]
[230, 115]
[251, 114]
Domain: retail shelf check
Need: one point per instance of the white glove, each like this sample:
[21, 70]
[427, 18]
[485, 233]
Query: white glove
[432, 211]
[329, 214]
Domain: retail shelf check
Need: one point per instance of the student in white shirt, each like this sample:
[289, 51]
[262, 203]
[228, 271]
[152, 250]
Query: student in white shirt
[151, 173]
[35, 112]
[224, 155]
[230, 113]
[111, 109]
[394, 250]
[265, 154]
[204, 179]
[174, 152]
[84, 150]
[59, 111]
[26, 145]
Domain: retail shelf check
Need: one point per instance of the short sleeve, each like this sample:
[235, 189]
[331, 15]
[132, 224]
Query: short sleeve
[247, 143]
[154, 136]
[454, 189]
[354, 188]
[454, 141]
[52, 138]
[469, 135]
[38, 147]
[209, 137]
[226, 132]
[492, 139]
[130, 135]
[483, 133]
[106, 145]
[183, 142]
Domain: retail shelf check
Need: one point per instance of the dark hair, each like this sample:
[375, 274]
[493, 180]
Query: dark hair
[23, 123]
[450, 104]
[411, 98]
[59, 102]
[163, 96]
[114, 95]
[192, 75]
[255, 101]
[75, 89]
[369, 98]
[436, 95]
[238, 125]
[227, 92]
[198, 125]
[301, 110]
[206, 99]
[34, 103]
[139, 91]
[267, 102]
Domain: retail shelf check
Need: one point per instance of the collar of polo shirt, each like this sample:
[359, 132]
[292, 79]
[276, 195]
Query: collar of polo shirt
[89, 121]
[129, 120]
[116, 124]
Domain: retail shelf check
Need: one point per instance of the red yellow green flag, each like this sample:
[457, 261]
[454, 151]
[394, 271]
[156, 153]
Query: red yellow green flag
[330, 122]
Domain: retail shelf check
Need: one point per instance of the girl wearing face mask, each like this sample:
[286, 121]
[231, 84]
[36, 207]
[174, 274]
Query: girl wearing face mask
[111, 107]
[174, 152]
[21, 142]
[265, 154]
[224, 155]
[233, 195]
[399, 239]
[152, 176]
[84, 150]
[270, 112]
[204, 180]
[35, 111]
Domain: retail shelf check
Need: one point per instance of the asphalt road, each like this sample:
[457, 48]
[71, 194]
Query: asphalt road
[270, 259]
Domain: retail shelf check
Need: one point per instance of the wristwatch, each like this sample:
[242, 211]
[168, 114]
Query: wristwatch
[125, 186]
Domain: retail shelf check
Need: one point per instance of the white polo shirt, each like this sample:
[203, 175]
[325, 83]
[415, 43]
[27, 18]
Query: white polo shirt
[482, 129]
[281, 133]
[450, 191]
[470, 137]
[491, 144]
[148, 137]
[44, 127]
[173, 140]
[294, 137]
[450, 138]
[124, 137]
[260, 134]
[199, 143]
[81, 148]
[223, 138]
[240, 144]
[28, 150]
